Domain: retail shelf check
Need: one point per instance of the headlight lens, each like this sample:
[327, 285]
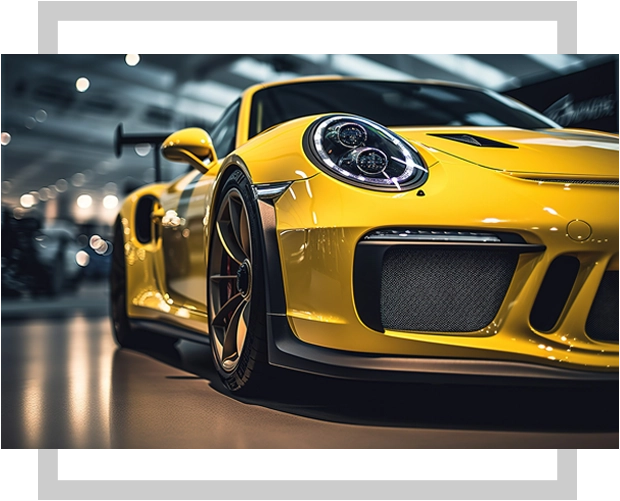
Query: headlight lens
[365, 153]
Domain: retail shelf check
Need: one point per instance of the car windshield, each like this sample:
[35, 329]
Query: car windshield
[392, 104]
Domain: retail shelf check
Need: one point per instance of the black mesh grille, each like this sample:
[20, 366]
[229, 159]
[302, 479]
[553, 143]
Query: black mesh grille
[443, 290]
[602, 322]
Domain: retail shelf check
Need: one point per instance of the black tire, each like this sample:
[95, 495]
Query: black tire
[236, 290]
[124, 334]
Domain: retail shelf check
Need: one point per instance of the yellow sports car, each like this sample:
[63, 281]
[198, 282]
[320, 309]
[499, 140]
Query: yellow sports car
[382, 231]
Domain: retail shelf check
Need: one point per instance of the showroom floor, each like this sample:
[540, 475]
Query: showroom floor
[65, 384]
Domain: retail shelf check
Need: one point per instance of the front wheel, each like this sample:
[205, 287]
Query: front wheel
[236, 291]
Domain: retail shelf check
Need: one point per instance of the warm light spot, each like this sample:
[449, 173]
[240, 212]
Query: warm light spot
[82, 84]
[551, 211]
[5, 138]
[132, 59]
[84, 201]
[82, 258]
[27, 200]
[110, 201]
[491, 220]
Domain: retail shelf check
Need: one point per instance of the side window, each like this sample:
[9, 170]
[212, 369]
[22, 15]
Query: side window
[225, 131]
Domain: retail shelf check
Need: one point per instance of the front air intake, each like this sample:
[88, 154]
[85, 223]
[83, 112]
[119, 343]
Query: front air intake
[554, 292]
[443, 289]
[602, 324]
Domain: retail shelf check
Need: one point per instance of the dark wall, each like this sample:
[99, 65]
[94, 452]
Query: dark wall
[587, 99]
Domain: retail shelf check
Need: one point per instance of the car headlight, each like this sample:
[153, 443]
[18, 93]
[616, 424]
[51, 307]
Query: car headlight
[364, 153]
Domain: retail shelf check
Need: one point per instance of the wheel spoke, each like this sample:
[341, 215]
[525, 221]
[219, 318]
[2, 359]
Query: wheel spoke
[242, 330]
[229, 242]
[245, 234]
[235, 334]
[225, 310]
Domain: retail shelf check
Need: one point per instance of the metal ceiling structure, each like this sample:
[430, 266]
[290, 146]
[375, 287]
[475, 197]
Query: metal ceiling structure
[60, 139]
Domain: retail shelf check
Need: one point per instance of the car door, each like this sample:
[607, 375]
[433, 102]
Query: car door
[183, 212]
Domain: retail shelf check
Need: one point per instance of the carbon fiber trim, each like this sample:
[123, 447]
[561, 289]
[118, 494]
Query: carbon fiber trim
[443, 290]
[605, 182]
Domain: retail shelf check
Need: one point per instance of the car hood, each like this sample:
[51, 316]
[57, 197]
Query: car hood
[559, 152]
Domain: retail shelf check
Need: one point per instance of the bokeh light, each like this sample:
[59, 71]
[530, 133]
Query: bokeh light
[84, 201]
[5, 138]
[61, 185]
[110, 201]
[40, 116]
[82, 84]
[44, 194]
[100, 245]
[78, 179]
[132, 59]
[27, 200]
[82, 258]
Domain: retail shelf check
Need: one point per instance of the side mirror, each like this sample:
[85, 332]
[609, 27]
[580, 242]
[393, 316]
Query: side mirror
[191, 145]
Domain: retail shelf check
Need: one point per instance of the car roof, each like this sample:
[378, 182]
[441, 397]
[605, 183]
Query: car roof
[334, 78]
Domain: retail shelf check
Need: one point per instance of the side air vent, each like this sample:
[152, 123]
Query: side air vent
[142, 223]
[553, 293]
[480, 142]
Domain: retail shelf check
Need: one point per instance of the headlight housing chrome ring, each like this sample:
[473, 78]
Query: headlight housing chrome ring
[364, 153]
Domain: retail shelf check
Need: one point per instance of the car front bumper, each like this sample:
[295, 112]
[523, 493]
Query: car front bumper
[320, 222]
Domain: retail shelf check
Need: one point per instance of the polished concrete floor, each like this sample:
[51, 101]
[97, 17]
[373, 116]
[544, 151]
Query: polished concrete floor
[65, 384]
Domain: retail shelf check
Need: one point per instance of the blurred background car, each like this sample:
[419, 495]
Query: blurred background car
[39, 259]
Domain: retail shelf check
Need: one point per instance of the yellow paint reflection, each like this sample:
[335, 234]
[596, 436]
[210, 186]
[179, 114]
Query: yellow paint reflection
[34, 396]
[105, 384]
[78, 380]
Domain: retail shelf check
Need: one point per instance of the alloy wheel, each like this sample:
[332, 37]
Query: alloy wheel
[230, 276]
